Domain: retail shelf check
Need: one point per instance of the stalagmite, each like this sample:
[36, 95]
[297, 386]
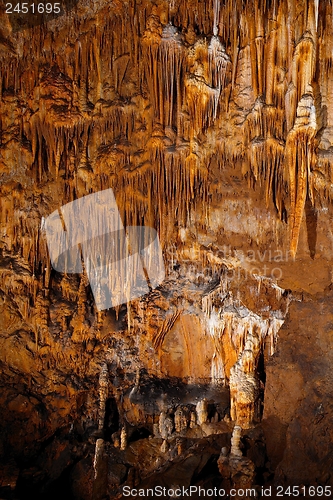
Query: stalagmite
[235, 441]
[202, 411]
[166, 425]
[164, 446]
[103, 394]
[99, 450]
[180, 420]
[180, 446]
[156, 430]
[193, 421]
[123, 438]
[247, 334]
[116, 441]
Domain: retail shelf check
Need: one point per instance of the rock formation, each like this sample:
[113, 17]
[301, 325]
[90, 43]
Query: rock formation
[212, 123]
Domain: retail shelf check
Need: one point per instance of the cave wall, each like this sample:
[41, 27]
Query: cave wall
[212, 122]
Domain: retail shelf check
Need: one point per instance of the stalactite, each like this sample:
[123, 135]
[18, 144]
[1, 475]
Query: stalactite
[171, 56]
[151, 40]
[219, 65]
[181, 108]
[202, 101]
[299, 158]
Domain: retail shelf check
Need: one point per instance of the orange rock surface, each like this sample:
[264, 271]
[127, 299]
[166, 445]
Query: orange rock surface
[213, 123]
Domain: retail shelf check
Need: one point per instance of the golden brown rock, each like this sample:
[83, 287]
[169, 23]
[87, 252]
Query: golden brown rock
[211, 122]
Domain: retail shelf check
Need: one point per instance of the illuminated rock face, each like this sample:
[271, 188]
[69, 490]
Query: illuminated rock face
[212, 123]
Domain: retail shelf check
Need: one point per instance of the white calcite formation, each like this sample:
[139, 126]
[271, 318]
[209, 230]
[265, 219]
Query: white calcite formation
[103, 394]
[166, 425]
[235, 441]
[99, 450]
[247, 333]
[202, 411]
[212, 122]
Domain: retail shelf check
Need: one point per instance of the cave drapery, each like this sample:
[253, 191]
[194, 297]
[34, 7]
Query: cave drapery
[211, 122]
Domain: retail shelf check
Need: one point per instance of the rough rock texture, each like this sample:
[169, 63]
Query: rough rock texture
[297, 418]
[212, 122]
